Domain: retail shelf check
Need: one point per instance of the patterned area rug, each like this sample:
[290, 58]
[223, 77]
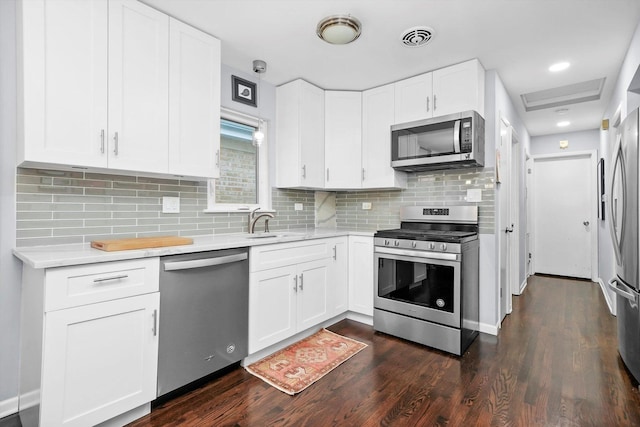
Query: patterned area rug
[296, 367]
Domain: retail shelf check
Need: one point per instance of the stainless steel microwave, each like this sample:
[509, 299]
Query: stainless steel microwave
[446, 142]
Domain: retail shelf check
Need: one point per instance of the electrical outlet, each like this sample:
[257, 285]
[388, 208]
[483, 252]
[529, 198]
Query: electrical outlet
[366, 206]
[297, 207]
[170, 204]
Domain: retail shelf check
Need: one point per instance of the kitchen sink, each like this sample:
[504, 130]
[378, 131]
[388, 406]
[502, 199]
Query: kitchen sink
[269, 235]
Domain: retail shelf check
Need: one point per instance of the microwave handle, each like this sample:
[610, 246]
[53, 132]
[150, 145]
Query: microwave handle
[456, 137]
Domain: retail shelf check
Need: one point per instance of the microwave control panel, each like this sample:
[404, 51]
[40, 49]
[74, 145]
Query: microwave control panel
[466, 144]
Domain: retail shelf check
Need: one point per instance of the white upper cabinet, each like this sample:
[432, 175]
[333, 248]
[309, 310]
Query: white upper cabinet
[342, 139]
[299, 135]
[377, 117]
[445, 91]
[93, 89]
[138, 87]
[414, 98]
[62, 89]
[459, 88]
[194, 101]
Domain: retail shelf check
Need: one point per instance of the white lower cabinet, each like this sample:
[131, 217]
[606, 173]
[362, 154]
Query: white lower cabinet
[89, 345]
[297, 292]
[100, 360]
[361, 279]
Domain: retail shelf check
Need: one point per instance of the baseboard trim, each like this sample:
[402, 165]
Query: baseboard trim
[30, 399]
[489, 329]
[359, 317]
[9, 406]
[523, 285]
[607, 296]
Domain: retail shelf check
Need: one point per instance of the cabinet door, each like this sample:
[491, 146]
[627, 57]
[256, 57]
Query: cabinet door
[272, 306]
[377, 117]
[339, 277]
[299, 135]
[63, 114]
[312, 135]
[138, 87]
[413, 98]
[100, 360]
[313, 293]
[194, 101]
[361, 285]
[342, 139]
[458, 88]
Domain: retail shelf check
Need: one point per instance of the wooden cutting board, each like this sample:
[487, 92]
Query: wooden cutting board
[140, 243]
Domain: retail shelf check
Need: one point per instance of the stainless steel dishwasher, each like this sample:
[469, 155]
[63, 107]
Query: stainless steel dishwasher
[204, 310]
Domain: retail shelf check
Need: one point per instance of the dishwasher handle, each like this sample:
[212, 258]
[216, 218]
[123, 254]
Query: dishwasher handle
[205, 262]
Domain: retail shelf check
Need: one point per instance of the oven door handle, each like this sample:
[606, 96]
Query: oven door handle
[418, 254]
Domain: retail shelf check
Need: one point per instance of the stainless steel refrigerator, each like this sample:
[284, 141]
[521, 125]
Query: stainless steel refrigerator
[624, 231]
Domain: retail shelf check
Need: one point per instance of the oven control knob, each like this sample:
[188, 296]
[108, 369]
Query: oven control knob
[386, 242]
[432, 245]
[443, 247]
[396, 243]
[414, 244]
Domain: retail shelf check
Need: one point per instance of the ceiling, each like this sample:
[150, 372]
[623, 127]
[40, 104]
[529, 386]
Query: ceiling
[519, 39]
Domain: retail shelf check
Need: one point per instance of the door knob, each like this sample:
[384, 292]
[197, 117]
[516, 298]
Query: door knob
[586, 223]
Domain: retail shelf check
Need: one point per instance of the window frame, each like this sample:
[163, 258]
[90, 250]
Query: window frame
[262, 178]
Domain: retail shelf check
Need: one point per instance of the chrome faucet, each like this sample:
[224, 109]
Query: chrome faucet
[254, 216]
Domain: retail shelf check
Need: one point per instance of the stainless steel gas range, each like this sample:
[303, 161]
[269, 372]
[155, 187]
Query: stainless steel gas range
[427, 275]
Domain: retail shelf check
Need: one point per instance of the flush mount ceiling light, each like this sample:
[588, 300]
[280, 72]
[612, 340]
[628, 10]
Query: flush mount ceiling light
[339, 29]
[416, 36]
[563, 124]
[560, 66]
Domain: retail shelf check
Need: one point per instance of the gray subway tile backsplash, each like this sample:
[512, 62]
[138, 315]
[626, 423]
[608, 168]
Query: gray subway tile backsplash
[61, 207]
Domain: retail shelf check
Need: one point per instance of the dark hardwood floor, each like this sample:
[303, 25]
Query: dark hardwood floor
[555, 363]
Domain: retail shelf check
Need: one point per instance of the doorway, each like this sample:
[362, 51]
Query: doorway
[564, 213]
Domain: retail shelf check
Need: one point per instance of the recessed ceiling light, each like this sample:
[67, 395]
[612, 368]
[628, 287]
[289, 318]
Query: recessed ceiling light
[563, 124]
[339, 29]
[560, 66]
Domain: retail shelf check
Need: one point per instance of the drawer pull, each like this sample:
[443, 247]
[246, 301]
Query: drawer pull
[106, 279]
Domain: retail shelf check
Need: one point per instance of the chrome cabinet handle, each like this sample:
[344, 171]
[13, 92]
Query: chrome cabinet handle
[327, 174]
[586, 223]
[155, 323]
[115, 146]
[106, 279]
[335, 252]
[434, 102]
[301, 277]
[102, 141]
[304, 171]
[295, 283]
[218, 158]
[363, 174]
[427, 104]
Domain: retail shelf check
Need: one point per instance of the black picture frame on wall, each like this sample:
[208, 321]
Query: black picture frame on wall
[243, 91]
[601, 205]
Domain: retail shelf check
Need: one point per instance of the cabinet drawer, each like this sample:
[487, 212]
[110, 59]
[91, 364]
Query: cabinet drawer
[88, 284]
[280, 255]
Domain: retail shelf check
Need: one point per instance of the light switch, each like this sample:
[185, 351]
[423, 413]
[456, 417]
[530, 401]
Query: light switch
[170, 204]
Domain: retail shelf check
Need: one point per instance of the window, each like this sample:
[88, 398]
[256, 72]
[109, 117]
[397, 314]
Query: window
[243, 182]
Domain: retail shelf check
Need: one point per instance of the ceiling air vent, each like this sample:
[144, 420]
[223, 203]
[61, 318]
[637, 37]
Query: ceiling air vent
[564, 95]
[416, 36]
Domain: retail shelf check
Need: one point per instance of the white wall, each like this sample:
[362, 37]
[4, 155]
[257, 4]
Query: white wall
[9, 265]
[499, 105]
[578, 141]
[622, 102]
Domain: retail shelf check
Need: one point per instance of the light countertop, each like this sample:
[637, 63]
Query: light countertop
[67, 255]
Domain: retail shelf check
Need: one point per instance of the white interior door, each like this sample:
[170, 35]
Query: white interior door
[564, 215]
[506, 226]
